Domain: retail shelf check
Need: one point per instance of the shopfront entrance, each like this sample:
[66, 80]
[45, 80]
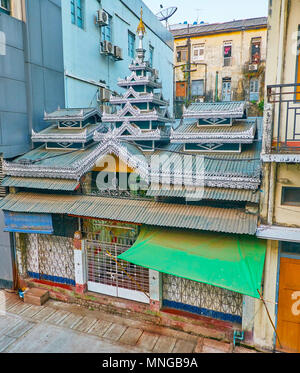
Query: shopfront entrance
[106, 274]
[288, 317]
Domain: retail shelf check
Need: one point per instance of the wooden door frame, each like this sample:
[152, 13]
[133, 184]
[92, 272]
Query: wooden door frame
[280, 255]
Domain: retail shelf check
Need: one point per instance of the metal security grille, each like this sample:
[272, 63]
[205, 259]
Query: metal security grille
[50, 258]
[107, 274]
[202, 298]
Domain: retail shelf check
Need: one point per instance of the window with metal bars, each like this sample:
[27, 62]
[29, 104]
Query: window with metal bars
[77, 12]
[131, 44]
[227, 53]
[198, 52]
[106, 31]
[254, 89]
[181, 55]
[255, 50]
[5, 5]
[290, 196]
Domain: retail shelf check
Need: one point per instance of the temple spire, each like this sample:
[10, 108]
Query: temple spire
[141, 30]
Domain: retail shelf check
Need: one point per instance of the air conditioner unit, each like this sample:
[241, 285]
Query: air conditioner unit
[104, 95]
[118, 53]
[155, 74]
[107, 47]
[102, 18]
[107, 109]
[253, 67]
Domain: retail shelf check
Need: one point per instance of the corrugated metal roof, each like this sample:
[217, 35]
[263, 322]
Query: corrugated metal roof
[221, 27]
[245, 164]
[55, 134]
[222, 194]
[39, 183]
[54, 157]
[239, 132]
[208, 110]
[67, 113]
[135, 211]
[192, 126]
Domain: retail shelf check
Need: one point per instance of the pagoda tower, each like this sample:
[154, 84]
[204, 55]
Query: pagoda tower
[143, 115]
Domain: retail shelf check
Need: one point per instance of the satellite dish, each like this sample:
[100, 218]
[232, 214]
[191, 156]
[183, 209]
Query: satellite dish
[166, 13]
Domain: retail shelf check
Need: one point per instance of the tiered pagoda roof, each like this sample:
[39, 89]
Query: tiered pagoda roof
[227, 142]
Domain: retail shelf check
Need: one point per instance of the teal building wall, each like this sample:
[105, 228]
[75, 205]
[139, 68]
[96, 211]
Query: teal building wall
[85, 65]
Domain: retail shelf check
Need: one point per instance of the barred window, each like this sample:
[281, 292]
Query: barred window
[106, 31]
[77, 12]
[131, 44]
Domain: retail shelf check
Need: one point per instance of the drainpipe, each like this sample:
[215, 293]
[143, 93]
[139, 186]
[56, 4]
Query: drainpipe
[217, 84]
[272, 178]
[282, 38]
[279, 80]
[189, 65]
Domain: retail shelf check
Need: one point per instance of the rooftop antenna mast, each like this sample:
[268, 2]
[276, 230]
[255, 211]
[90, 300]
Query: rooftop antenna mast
[198, 14]
[166, 13]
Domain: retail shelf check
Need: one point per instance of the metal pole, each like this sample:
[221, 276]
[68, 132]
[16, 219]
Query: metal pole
[262, 299]
[189, 65]
[217, 83]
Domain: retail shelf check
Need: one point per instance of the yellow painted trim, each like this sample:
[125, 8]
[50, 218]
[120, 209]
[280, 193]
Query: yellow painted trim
[205, 36]
[119, 165]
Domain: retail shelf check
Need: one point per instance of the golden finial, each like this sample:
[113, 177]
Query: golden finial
[141, 27]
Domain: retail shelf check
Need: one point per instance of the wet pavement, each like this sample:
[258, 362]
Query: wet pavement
[59, 327]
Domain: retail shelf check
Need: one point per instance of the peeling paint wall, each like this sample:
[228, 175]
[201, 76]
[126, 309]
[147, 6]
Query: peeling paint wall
[213, 57]
[263, 331]
[288, 175]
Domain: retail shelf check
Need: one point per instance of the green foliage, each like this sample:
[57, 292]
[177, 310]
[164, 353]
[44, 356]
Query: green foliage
[261, 105]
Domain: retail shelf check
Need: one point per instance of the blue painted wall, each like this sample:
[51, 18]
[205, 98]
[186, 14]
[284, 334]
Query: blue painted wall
[82, 56]
[31, 73]
[44, 59]
[14, 136]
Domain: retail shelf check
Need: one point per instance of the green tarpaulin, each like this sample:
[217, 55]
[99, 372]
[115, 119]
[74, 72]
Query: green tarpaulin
[231, 262]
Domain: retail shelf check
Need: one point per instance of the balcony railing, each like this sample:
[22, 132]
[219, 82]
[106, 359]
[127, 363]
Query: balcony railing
[286, 124]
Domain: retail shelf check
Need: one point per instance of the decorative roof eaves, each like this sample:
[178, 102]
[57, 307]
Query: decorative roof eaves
[280, 158]
[242, 137]
[142, 117]
[82, 137]
[81, 116]
[224, 114]
[135, 133]
[80, 167]
[134, 79]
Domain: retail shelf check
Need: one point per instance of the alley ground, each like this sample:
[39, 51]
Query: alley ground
[58, 327]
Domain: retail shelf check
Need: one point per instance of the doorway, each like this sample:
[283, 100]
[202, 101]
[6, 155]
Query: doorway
[226, 89]
[288, 316]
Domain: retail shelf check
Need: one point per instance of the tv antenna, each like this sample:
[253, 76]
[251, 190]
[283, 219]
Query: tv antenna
[198, 13]
[166, 13]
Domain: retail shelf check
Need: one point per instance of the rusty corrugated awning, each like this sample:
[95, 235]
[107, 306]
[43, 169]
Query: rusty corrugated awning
[135, 211]
[199, 193]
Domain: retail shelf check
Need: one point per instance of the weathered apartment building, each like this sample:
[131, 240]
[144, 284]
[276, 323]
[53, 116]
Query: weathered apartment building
[280, 200]
[183, 243]
[220, 62]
